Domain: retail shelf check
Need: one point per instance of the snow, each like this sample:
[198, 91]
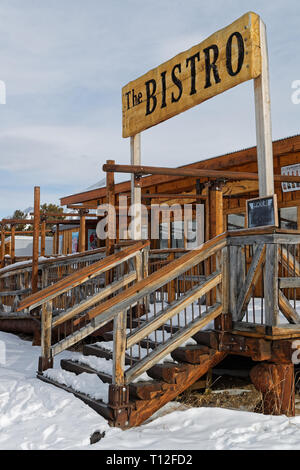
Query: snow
[36, 415]
[86, 383]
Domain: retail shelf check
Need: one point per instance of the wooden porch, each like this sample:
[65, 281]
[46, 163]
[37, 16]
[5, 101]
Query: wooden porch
[158, 329]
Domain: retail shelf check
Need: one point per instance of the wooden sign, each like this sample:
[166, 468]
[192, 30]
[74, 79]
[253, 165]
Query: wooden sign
[227, 58]
[262, 211]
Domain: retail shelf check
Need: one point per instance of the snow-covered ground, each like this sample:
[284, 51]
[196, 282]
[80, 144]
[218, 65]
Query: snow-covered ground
[35, 415]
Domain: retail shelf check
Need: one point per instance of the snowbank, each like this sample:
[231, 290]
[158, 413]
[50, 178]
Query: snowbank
[35, 415]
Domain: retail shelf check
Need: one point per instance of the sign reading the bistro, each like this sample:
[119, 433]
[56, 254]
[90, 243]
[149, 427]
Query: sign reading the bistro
[227, 58]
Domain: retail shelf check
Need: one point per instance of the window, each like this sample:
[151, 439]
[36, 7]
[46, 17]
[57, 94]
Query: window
[235, 221]
[288, 217]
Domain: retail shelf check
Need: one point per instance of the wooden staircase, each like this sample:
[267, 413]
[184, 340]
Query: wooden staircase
[147, 324]
[165, 381]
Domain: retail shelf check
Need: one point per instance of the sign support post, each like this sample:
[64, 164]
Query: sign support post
[136, 192]
[263, 121]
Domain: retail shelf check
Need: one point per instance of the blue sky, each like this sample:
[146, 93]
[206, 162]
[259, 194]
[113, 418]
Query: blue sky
[64, 64]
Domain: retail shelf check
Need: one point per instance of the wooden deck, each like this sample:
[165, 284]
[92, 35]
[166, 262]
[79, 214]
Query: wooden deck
[237, 294]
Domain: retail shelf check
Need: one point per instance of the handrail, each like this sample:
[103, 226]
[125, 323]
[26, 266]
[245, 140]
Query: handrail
[21, 266]
[167, 273]
[77, 278]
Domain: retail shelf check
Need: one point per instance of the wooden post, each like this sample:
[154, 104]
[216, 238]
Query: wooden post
[82, 240]
[46, 361]
[35, 246]
[43, 237]
[276, 383]
[2, 256]
[57, 240]
[119, 348]
[216, 210]
[263, 121]
[136, 216]
[171, 285]
[111, 222]
[224, 321]
[271, 285]
[215, 227]
[13, 244]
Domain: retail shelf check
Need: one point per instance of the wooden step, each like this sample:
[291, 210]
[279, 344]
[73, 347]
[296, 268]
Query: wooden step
[207, 338]
[145, 343]
[143, 409]
[166, 327]
[168, 371]
[99, 406]
[79, 368]
[148, 390]
[98, 351]
[192, 354]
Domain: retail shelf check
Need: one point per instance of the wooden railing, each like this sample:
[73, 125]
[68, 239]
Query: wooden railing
[265, 279]
[15, 280]
[67, 304]
[161, 325]
[245, 276]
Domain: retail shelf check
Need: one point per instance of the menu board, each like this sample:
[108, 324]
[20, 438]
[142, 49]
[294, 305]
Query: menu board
[262, 211]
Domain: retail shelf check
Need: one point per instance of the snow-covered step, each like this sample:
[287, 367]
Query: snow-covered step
[86, 387]
[107, 353]
[79, 368]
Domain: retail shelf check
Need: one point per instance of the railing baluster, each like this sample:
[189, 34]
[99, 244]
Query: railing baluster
[46, 361]
[120, 322]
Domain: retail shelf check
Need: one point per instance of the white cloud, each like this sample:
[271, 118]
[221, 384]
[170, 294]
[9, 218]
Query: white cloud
[64, 63]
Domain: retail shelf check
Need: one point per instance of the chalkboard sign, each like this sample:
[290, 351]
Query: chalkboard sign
[262, 211]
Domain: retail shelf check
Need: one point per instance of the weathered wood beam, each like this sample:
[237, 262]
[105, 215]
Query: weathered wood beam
[151, 170]
[290, 314]
[35, 245]
[89, 301]
[251, 280]
[263, 120]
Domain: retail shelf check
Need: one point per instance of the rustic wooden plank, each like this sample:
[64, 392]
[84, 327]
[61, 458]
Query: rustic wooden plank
[289, 282]
[46, 320]
[35, 244]
[225, 280]
[120, 323]
[159, 278]
[251, 279]
[263, 120]
[193, 173]
[136, 190]
[193, 354]
[168, 371]
[88, 302]
[183, 302]
[288, 260]
[161, 351]
[271, 285]
[290, 314]
[146, 408]
[52, 263]
[233, 292]
[80, 276]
